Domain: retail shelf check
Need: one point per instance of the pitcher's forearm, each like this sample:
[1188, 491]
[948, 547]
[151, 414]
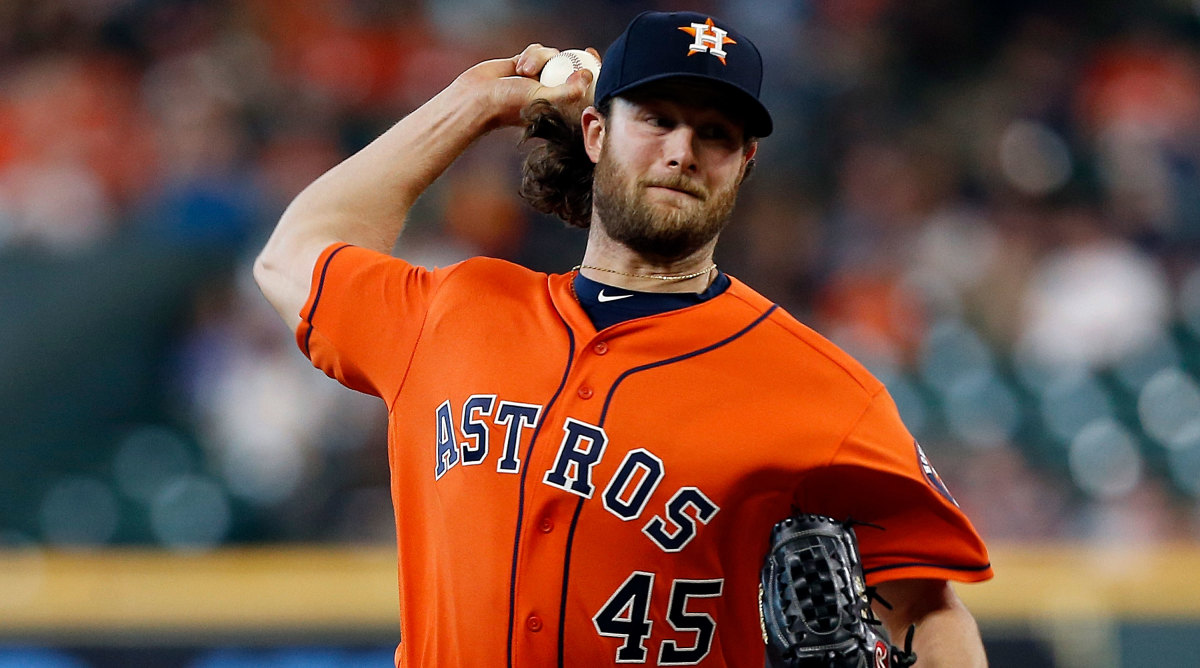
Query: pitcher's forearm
[365, 199]
[950, 638]
[946, 633]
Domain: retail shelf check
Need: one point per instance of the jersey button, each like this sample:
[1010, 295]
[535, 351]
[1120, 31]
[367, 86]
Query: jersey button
[534, 623]
[585, 392]
[600, 348]
[546, 525]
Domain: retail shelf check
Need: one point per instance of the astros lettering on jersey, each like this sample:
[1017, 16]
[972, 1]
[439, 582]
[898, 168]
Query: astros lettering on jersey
[568, 496]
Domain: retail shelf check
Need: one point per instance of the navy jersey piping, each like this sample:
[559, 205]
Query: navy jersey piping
[317, 299]
[927, 564]
[603, 416]
[562, 605]
[652, 365]
[512, 581]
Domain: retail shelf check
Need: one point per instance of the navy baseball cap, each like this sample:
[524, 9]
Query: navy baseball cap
[668, 45]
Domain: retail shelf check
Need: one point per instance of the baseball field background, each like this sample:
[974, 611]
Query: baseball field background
[994, 205]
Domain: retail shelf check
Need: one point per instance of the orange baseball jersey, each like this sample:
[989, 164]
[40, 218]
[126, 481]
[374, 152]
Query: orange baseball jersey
[567, 496]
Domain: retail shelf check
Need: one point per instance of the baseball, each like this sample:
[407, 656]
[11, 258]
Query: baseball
[560, 67]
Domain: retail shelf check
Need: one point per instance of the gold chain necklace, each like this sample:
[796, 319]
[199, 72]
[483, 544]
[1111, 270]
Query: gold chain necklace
[657, 277]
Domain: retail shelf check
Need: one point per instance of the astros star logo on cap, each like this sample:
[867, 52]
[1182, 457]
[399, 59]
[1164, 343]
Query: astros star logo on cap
[709, 39]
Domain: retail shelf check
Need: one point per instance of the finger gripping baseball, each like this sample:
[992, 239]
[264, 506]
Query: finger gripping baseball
[815, 606]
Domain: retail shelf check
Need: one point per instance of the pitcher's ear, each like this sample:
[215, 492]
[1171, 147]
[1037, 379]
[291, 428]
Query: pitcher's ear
[593, 132]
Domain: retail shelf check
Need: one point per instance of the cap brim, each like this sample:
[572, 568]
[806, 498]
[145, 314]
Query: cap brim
[757, 118]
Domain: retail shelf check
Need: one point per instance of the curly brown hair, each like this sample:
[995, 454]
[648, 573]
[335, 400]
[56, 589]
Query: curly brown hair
[556, 177]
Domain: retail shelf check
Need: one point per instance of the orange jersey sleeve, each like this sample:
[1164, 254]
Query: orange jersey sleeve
[880, 475]
[364, 317]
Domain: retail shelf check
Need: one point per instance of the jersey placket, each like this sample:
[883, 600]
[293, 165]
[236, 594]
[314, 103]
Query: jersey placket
[559, 479]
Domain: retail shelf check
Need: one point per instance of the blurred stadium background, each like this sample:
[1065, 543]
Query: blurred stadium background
[995, 205]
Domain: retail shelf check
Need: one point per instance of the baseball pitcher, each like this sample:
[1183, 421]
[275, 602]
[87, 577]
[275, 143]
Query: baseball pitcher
[588, 468]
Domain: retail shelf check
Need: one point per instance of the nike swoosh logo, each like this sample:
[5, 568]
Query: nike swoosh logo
[610, 298]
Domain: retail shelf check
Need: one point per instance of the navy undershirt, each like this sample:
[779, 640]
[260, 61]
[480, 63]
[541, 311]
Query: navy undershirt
[620, 304]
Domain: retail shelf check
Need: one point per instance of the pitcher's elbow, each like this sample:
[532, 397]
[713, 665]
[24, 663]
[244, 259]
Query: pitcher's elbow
[261, 271]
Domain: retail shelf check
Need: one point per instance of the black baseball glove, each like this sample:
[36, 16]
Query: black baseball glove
[815, 606]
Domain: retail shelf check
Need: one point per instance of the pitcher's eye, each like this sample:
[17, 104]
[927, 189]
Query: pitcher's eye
[660, 122]
[718, 132]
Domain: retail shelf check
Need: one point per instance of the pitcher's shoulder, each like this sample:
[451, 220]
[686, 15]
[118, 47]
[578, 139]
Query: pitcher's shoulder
[797, 343]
